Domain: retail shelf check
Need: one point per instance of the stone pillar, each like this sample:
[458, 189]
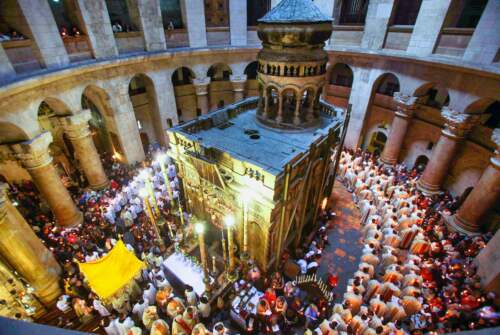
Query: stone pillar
[77, 129]
[6, 69]
[97, 26]
[35, 157]
[488, 266]
[376, 24]
[405, 106]
[484, 43]
[194, 12]
[483, 197]
[45, 33]
[279, 113]
[238, 83]
[24, 251]
[149, 21]
[238, 22]
[201, 87]
[456, 128]
[428, 27]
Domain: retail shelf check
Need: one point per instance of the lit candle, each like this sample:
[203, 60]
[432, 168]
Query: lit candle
[214, 265]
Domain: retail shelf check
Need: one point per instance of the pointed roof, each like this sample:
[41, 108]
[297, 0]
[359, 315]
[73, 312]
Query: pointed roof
[295, 11]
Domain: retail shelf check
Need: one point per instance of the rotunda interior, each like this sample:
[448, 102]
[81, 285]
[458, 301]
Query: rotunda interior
[249, 167]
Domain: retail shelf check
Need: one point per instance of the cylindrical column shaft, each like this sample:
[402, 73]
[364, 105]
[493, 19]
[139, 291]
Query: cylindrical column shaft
[35, 158]
[77, 129]
[483, 197]
[456, 128]
[24, 251]
[238, 83]
[230, 246]
[201, 87]
[405, 108]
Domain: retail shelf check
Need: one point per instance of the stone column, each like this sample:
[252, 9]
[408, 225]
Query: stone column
[194, 13]
[77, 129]
[45, 33]
[97, 26]
[6, 69]
[483, 197]
[238, 83]
[296, 114]
[279, 113]
[201, 87]
[488, 266]
[24, 251]
[35, 157]
[376, 24]
[484, 43]
[238, 22]
[456, 128]
[428, 27]
[405, 107]
[148, 19]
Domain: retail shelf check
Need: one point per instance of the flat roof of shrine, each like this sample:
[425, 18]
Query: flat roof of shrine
[246, 139]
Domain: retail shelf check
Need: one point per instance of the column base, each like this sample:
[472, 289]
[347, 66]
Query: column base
[74, 221]
[455, 223]
[388, 161]
[100, 186]
[428, 189]
[50, 293]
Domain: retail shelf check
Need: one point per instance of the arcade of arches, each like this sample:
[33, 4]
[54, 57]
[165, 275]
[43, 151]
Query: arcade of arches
[67, 117]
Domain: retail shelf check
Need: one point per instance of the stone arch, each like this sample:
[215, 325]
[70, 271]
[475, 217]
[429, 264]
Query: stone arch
[289, 96]
[97, 99]
[479, 106]
[11, 133]
[432, 95]
[272, 96]
[142, 94]
[341, 74]
[219, 72]
[182, 76]
[251, 70]
[59, 107]
[386, 84]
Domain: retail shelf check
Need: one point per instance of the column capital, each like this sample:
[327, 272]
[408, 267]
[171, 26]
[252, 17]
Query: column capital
[457, 125]
[495, 138]
[34, 153]
[405, 104]
[77, 126]
[238, 82]
[201, 85]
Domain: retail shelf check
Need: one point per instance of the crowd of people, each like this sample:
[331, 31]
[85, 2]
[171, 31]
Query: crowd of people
[148, 304]
[414, 276]
[12, 35]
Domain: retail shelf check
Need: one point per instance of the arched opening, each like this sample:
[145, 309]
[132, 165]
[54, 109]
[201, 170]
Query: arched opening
[184, 91]
[432, 95]
[339, 89]
[143, 97]
[307, 102]
[98, 127]
[251, 70]
[252, 83]
[377, 142]
[421, 163]
[387, 84]
[289, 103]
[10, 133]
[272, 97]
[491, 115]
[61, 148]
[220, 88]
[182, 76]
[106, 141]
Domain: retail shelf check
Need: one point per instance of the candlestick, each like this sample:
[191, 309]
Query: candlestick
[229, 221]
[147, 208]
[200, 229]
[224, 254]
[214, 265]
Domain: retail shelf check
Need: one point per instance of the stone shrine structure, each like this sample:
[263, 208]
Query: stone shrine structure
[267, 159]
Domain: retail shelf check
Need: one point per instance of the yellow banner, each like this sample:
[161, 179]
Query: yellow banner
[109, 274]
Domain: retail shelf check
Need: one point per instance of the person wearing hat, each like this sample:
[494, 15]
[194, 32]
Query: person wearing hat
[149, 315]
[220, 329]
